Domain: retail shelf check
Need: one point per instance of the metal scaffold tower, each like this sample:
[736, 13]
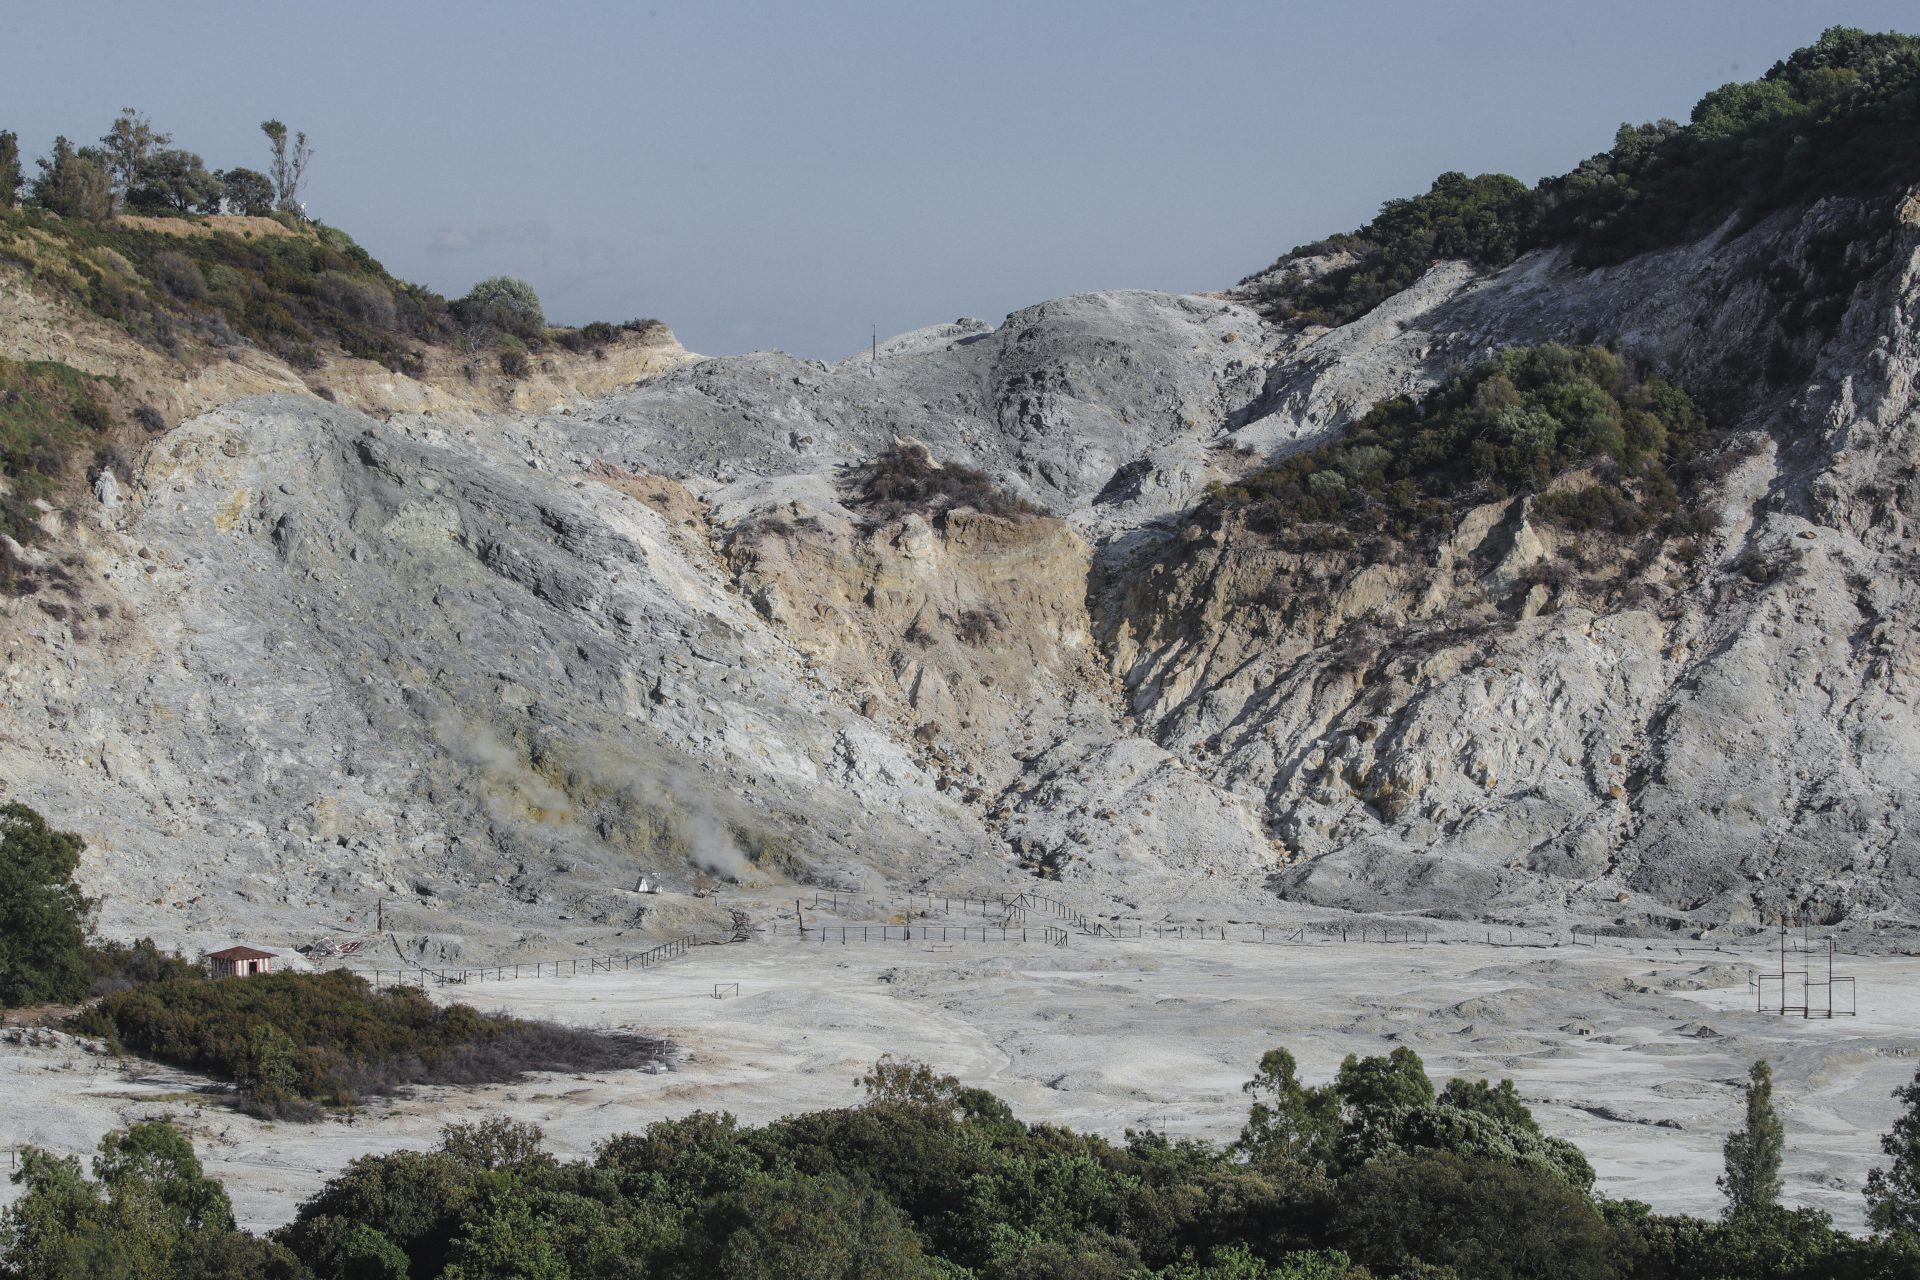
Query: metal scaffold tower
[1805, 983]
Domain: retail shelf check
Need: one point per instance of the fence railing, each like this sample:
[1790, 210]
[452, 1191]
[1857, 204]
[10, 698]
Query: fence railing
[1020, 903]
[1011, 912]
[949, 903]
[1008, 911]
[669, 950]
[1180, 932]
[1758, 942]
[847, 934]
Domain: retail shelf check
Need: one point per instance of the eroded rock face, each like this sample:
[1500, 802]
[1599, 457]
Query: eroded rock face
[954, 630]
[491, 668]
[199, 377]
[417, 661]
[1716, 739]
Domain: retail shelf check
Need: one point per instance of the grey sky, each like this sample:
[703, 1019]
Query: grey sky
[784, 174]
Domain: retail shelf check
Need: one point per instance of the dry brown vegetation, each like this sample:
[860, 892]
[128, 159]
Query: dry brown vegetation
[905, 480]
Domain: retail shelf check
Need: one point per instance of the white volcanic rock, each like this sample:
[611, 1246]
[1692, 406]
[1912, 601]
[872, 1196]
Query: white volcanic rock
[492, 668]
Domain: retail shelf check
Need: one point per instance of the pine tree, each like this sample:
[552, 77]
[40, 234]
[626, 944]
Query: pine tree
[1752, 1179]
[1893, 1195]
[10, 175]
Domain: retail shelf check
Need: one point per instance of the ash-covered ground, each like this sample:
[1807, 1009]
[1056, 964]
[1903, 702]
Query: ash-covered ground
[1633, 1050]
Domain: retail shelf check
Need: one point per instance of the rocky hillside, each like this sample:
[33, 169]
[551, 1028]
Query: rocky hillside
[493, 665]
[1531, 714]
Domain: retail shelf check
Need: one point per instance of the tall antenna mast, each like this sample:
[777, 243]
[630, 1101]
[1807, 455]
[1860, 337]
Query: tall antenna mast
[873, 354]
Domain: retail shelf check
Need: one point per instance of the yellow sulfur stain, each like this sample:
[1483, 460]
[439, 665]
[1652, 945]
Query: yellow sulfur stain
[230, 514]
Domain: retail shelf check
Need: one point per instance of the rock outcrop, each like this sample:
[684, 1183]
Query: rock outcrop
[197, 377]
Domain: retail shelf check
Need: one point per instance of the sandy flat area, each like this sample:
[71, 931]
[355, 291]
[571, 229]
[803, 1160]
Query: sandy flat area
[1635, 1053]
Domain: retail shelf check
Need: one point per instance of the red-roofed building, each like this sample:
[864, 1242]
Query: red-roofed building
[240, 962]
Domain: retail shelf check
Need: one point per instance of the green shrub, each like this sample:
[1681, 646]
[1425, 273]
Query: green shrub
[1839, 117]
[824, 1228]
[1483, 1218]
[1237, 1262]
[1767, 1243]
[50, 416]
[118, 966]
[494, 1144]
[177, 274]
[292, 295]
[294, 1040]
[295, 295]
[1508, 427]
[505, 304]
[357, 298]
[408, 1203]
[686, 1160]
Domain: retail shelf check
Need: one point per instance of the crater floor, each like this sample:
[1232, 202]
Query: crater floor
[1632, 1050]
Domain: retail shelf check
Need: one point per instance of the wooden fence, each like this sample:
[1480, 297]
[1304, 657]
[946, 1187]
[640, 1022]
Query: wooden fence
[846, 934]
[666, 951]
[948, 904]
[1177, 932]
[1020, 903]
[1010, 913]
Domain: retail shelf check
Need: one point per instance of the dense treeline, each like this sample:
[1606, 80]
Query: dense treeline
[1509, 426]
[1374, 1174]
[294, 289]
[1840, 117]
[1484, 220]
